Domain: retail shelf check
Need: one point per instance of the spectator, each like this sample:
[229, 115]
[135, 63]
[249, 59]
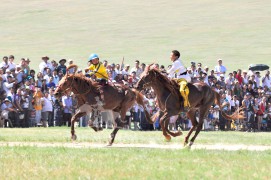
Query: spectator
[9, 84]
[67, 105]
[55, 77]
[62, 67]
[245, 77]
[51, 83]
[8, 112]
[136, 69]
[126, 69]
[239, 76]
[37, 103]
[261, 111]
[44, 87]
[11, 64]
[220, 69]
[47, 110]
[266, 80]
[4, 64]
[45, 64]
[25, 66]
[229, 81]
[25, 99]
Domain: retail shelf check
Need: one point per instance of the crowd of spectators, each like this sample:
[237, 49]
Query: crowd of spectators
[27, 98]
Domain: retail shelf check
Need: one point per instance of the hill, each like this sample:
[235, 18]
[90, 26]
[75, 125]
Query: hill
[236, 31]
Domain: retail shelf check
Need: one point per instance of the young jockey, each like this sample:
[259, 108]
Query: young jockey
[97, 68]
[178, 71]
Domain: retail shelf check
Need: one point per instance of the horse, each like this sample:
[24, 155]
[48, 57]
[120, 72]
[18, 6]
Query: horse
[95, 98]
[170, 102]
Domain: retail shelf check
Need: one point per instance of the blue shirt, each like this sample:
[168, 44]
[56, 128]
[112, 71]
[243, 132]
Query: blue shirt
[67, 104]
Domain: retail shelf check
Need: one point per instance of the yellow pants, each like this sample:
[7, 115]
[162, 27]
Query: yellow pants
[184, 90]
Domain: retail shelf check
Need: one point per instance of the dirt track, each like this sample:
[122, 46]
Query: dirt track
[155, 146]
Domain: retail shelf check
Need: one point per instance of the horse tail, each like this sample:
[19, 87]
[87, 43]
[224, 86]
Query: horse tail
[238, 114]
[72, 66]
[140, 101]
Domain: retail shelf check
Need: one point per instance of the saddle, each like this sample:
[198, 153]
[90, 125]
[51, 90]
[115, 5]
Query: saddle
[184, 90]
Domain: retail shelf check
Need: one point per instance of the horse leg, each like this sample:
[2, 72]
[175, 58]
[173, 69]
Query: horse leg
[73, 120]
[162, 124]
[174, 134]
[116, 128]
[191, 114]
[202, 113]
[113, 135]
[95, 114]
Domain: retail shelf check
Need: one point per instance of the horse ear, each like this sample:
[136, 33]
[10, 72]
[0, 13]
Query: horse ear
[149, 67]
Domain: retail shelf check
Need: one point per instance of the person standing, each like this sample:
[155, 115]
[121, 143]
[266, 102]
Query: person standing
[136, 69]
[67, 105]
[45, 64]
[62, 67]
[266, 80]
[37, 104]
[220, 69]
[25, 107]
[47, 109]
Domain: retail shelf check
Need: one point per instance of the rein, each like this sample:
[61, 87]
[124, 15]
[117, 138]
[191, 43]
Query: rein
[71, 87]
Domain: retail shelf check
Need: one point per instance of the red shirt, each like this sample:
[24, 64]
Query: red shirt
[239, 78]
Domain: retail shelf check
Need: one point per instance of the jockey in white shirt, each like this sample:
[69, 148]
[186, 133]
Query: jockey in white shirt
[177, 69]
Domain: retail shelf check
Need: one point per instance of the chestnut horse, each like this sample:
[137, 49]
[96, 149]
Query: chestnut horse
[88, 94]
[170, 102]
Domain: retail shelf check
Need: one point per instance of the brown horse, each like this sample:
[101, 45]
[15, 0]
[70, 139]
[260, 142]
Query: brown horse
[88, 93]
[170, 102]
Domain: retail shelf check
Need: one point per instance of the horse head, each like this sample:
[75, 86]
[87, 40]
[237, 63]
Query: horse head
[146, 78]
[64, 86]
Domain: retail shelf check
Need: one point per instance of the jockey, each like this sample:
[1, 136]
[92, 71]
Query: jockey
[97, 68]
[177, 69]
[179, 72]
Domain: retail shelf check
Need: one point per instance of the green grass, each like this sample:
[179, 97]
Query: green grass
[236, 31]
[131, 163]
[62, 134]
[35, 162]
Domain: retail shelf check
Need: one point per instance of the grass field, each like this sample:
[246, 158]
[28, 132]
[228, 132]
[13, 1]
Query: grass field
[62, 134]
[27, 162]
[236, 31]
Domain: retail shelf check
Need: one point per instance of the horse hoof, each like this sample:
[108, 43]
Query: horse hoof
[191, 143]
[179, 133]
[74, 137]
[185, 144]
[168, 138]
[109, 144]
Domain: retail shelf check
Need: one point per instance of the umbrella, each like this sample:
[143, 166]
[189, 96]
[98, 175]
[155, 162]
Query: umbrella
[258, 67]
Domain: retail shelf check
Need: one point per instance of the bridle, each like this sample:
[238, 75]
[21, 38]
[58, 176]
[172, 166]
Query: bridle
[72, 88]
[146, 84]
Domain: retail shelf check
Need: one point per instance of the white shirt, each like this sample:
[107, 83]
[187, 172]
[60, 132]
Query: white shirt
[234, 103]
[11, 66]
[266, 81]
[176, 69]
[220, 70]
[47, 104]
[43, 65]
[137, 70]
[3, 65]
[56, 79]
[7, 86]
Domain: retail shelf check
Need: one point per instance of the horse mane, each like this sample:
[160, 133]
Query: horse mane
[171, 85]
[85, 82]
